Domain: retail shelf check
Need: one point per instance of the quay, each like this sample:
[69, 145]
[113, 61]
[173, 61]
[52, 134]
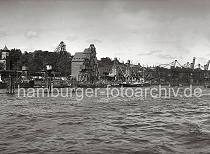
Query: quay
[83, 69]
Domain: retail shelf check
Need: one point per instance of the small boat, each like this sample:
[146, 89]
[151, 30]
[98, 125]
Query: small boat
[91, 85]
[114, 85]
[135, 84]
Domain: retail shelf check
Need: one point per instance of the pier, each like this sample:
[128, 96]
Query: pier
[11, 77]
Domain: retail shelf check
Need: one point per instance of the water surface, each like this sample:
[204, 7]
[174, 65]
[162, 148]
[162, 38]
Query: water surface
[104, 125]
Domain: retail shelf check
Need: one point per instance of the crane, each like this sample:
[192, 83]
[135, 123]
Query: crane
[206, 67]
[173, 64]
[193, 63]
[61, 47]
[187, 65]
[199, 66]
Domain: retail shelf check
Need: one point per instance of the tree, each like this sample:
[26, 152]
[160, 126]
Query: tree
[64, 63]
[1, 66]
[37, 61]
[14, 60]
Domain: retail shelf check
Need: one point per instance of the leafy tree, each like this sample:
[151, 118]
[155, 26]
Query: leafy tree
[1, 66]
[14, 60]
[37, 61]
[64, 63]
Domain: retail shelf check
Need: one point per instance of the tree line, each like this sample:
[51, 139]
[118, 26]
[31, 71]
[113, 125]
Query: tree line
[36, 61]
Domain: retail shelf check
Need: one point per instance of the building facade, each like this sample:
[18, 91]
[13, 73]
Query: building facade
[105, 67]
[84, 67]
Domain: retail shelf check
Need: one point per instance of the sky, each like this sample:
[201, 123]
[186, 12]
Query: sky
[149, 32]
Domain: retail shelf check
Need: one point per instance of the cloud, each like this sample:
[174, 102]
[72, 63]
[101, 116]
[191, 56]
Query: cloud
[31, 34]
[3, 34]
[150, 53]
[119, 54]
[166, 56]
[182, 28]
[94, 41]
[72, 38]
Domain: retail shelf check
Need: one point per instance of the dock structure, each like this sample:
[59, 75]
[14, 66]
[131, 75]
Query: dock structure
[11, 85]
[9, 71]
[11, 77]
[6, 72]
[175, 73]
[49, 77]
[87, 70]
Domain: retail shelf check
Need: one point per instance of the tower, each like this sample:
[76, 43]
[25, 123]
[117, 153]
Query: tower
[4, 57]
[5, 53]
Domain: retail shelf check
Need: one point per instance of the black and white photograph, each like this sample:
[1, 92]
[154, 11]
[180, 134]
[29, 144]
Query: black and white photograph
[104, 76]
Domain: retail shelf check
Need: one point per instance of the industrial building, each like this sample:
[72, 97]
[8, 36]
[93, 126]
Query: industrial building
[85, 65]
[114, 69]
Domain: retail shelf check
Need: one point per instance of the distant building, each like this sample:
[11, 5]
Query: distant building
[105, 67]
[84, 65]
[118, 70]
[136, 71]
[4, 53]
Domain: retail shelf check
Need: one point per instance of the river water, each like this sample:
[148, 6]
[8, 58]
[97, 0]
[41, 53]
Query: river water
[104, 125]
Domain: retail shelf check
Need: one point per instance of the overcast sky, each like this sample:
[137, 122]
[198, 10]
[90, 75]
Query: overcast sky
[145, 31]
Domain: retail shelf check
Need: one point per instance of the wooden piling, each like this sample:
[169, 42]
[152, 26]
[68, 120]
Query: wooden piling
[11, 85]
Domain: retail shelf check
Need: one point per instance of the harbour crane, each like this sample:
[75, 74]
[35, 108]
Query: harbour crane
[199, 67]
[206, 67]
[193, 64]
[61, 47]
[173, 64]
[187, 65]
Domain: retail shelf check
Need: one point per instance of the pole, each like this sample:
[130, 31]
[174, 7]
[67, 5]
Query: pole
[11, 85]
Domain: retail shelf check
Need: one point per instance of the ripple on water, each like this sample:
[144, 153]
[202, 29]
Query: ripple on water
[115, 125]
